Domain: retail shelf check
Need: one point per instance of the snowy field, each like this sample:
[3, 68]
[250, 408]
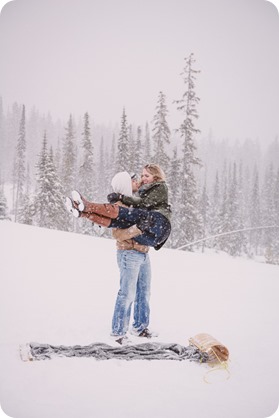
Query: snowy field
[60, 288]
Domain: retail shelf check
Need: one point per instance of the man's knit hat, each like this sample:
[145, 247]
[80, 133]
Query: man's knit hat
[121, 183]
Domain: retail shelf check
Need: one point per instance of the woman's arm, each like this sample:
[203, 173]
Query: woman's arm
[153, 198]
[135, 201]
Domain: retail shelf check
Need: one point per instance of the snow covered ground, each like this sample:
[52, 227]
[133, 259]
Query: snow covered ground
[60, 288]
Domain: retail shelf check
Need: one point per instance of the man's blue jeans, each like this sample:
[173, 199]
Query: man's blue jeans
[135, 277]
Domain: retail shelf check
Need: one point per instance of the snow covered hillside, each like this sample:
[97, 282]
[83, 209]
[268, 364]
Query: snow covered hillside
[60, 288]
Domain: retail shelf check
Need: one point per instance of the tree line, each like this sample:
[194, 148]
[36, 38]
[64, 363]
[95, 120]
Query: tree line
[209, 198]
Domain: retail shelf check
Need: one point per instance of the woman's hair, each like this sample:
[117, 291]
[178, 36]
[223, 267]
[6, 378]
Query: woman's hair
[156, 172]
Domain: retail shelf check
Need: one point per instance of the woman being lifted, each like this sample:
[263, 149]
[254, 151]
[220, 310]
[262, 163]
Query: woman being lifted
[149, 210]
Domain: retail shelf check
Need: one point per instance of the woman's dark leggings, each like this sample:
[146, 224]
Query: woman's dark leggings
[156, 227]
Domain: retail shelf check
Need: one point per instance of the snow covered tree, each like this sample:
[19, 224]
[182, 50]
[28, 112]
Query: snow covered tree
[138, 154]
[69, 158]
[12, 132]
[107, 176]
[3, 205]
[234, 241]
[275, 249]
[26, 210]
[147, 145]
[223, 221]
[173, 181]
[276, 198]
[122, 157]
[58, 216]
[272, 154]
[255, 214]
[270, 235]
[2, 134]
[20, 169]
[174, 177]
[230, 215]
[41, 198]
[112, 158]
[245, 187]
[190, 218]
[49, 200]
[57, 158]
[86, 171]
[130, 164]
[204, 210]
[215, 207]
[102, 174]
[242, 193]
[161, 133]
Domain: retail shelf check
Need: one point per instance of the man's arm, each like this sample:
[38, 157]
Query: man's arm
[124, 239]
[124, 234]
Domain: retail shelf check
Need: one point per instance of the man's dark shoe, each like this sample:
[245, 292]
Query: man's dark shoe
[146, 333]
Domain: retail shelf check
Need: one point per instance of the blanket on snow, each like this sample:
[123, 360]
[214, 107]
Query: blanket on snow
[101, 351]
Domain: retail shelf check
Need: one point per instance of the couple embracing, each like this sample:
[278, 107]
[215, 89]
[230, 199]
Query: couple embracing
[139, 213]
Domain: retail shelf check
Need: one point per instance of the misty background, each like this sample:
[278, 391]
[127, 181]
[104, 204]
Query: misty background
[69, 56]
[117, 62]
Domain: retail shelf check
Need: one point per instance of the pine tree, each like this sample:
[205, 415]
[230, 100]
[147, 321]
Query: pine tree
[130, 167]
[269, 214]
[272, 153]
[86, 171]
[49, 200]
[215, 208]
[161, 133]
[2, 134]
[241, 197]
[223, 223]
[190, 218]
[3, 205]
[204, 210]
[69, 158]
[112, 159]
[12, 132]
[20, 170]
[107, 176]
[173, 181]
[138, 161]
[122, 157]
[173, 178]
[26, 210]
[234, 241]
[57, 159]
[58, 217]
[41, 198]
[255, 214]
[102, 175]
[147, 145]
[276, 198]
[275, 248]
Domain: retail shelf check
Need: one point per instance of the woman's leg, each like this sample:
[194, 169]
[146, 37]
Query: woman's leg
[155, 226]
[113, 215]
[96, 219]
[99, 213]
[103, 217]
[104, 209]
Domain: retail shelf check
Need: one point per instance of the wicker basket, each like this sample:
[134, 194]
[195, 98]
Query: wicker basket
[216, 351]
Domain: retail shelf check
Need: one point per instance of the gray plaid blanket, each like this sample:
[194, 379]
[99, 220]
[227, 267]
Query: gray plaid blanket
[101, 351]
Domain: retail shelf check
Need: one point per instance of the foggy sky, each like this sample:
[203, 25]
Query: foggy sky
[65, 56]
